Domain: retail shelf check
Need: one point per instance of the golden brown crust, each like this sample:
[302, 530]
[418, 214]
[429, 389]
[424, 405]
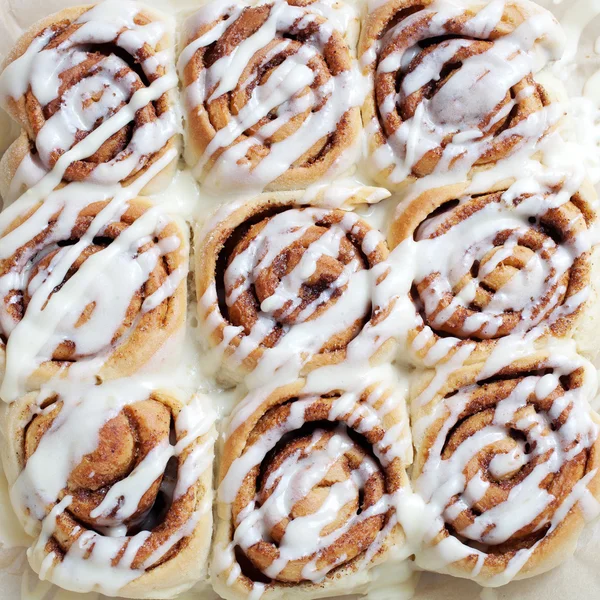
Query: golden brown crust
[9, 164]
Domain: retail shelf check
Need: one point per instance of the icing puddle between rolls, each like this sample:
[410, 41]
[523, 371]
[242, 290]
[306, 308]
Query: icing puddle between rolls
[389, 283]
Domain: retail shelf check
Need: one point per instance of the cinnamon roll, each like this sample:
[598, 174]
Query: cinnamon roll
[285, 285]
[272, 95]
[453, 85]
[114, 483]
[491, 268]
[95, 84]
[99, 286]
[309, 479]
[507, 465]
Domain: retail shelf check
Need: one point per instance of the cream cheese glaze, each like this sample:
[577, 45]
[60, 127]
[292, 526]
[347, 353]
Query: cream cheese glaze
[561, 177]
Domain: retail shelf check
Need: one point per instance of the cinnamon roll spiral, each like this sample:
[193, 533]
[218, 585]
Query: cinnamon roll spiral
[114, 483]
[95, 284]
[453, 86]
[495, 266]
[84, 68]
[507, 465]
[273, 274]
[271, 94]
[307, 487]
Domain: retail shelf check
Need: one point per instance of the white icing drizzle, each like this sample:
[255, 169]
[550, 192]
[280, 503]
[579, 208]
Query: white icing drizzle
[29, 172]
